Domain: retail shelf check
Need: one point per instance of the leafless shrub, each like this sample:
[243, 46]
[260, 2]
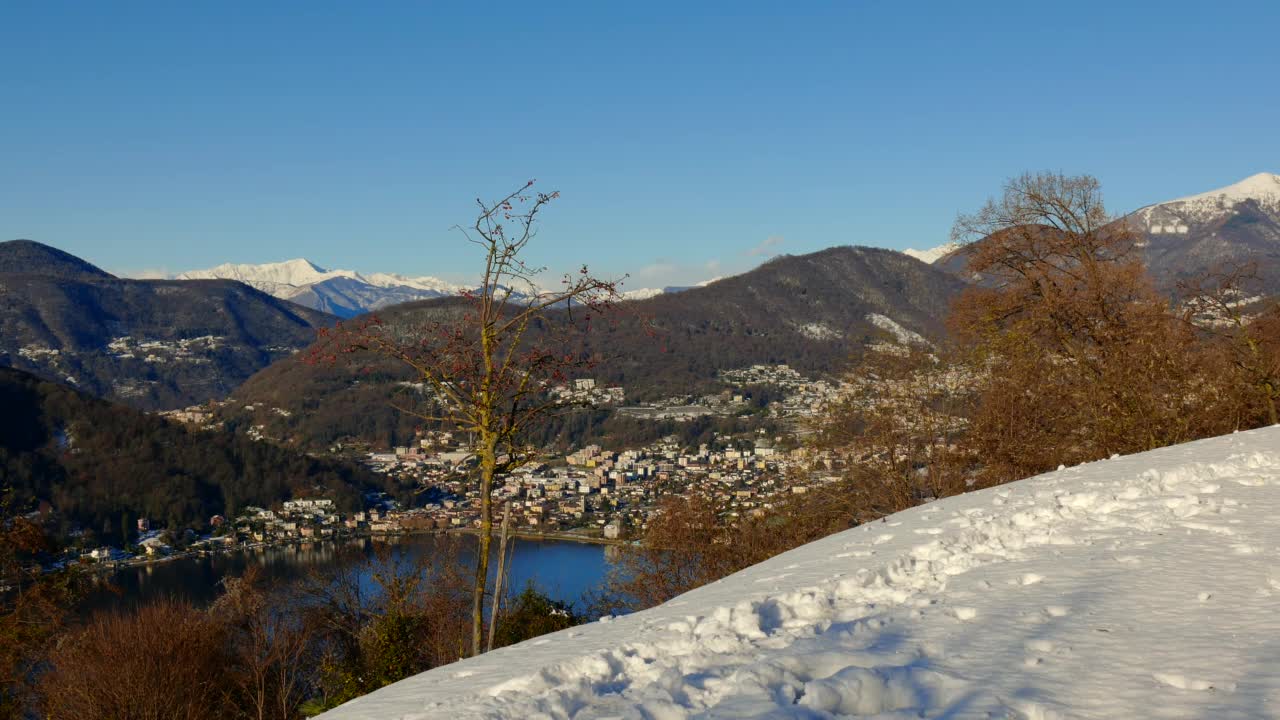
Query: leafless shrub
[386, 617]
[166, 661]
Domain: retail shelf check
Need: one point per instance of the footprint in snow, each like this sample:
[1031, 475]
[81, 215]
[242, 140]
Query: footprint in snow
[882, 539]
[1217, 530]
[1030, 579]
[1182, 682]
[773, 578]
[965, 613]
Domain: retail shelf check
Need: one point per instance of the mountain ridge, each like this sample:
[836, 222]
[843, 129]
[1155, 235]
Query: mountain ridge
[29, 256]
[155, 344]
[344, 293]
[812, 312]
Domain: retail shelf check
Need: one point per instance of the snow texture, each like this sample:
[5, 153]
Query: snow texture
[932, 255]
[820, 331]
[1136, 587]
[641, 293]
[1172, 217]
[1262, 186]
[292, 278]
[891, 326]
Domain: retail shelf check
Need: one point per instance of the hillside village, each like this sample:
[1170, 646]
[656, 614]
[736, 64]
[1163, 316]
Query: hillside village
[592, 493]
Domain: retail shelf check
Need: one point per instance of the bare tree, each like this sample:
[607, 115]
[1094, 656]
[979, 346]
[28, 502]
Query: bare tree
[1229, 305]
[35, 606]
[269, 646]
[897, 426]
[489, 369]
[1081, 357]
[690, 541]
[377, 619]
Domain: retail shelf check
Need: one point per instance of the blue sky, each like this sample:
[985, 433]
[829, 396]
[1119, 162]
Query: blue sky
[688, 139]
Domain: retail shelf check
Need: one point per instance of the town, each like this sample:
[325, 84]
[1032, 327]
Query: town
[592, 494]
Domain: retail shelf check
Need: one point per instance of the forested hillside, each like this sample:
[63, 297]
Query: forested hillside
[100, 465]
[154, 344]
[812, 312]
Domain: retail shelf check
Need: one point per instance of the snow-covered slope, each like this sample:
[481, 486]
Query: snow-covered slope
[1189, 214]
[1263, 188]
[1187, 238]
[932, 255]
[1143, 586]
[342, 292]
[294, 273]
[893, 327]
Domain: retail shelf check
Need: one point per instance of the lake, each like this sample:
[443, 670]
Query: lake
[562, 569]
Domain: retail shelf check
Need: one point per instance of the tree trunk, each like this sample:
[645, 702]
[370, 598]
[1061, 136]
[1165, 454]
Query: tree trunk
[488, 461]
[502, 569]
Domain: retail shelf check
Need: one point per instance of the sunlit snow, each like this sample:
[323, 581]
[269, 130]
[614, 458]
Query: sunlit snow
[1142, 586]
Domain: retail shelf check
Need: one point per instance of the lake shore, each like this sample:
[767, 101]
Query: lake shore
[564, 569]
[211, 550]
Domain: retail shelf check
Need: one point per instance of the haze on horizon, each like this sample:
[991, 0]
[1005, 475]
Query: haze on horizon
[687, 142]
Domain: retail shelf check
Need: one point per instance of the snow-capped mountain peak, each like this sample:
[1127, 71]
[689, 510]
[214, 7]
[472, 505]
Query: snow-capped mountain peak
[1263, 186]
[346, 292]
[296, 272]
[1178, 216]
[932, 255]
[641, 293]
[425, 282]
[342, 292]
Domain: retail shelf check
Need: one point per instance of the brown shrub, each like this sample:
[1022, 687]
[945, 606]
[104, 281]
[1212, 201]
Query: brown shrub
[166, 661]
[387, 617]
[271, 674]
[689, 544]
[34, 606]
[1080, 357]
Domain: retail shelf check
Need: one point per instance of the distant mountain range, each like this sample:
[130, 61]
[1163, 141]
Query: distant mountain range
[346, 293]
[155, 344]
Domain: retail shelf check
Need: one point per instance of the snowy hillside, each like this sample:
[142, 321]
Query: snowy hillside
[1143, 586]
[1264, 187]
[1181, 215]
